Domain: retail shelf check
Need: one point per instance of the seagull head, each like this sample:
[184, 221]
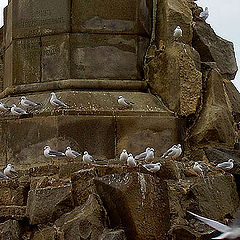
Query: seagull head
[85, 153]
[9, 165]
[14, 105]
[130, 155]
[159, 164]
[23, 98]
[231, 160]
[178, 27]
[46, 147]
[152, 149]
[206, 8]
[179, 145]
[124, 150]
[68, 148]
[147, 149]
[120, 97]
[196, 164]
[53, 94]
[1, 103]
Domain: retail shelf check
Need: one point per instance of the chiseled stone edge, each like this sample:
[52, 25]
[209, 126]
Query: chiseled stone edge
[92, 84]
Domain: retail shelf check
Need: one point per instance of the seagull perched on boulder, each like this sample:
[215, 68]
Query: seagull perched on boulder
[198, 168]
[227, 232]
[152, 167]
[124, 156]
[174, 152]
[204, 14]
[71, 153]
[150, 155]
[27, 103]
[226, 165]
[123, 102]
[143, 154]
[9, 171]
[17, 111]
[87, 158]
[177, 33]
[4, 107]
[56, 102]
[48, 152]
[131, 162]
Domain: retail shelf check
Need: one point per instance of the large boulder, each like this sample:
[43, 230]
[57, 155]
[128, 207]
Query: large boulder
[214, 123]
[213, 48]
[47, 204]
[136, 202]
[175, 76]
[83, 222]
[10, 230]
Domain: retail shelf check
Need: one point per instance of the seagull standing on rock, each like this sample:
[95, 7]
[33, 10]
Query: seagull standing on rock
[131, 162]
[48, 152]
[71, 153]
[152, 167]
[123, 102]
[56, 102]
[9, 171]
[177, 33]
[143, 154]
[198, 168]
[150, 155]
[27, 103]
[228, 232]
[123, 156]
[87, 158]
[17, 111]
[174, 152]
[204, 14]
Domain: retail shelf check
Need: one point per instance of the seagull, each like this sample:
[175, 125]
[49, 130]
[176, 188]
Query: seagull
[17, 110]
[198, 168]
[143, 154]
[55, 102]
[87, 158]
[27, 103]
[153, 167]
[131, 161]
[4, 107]
[123, 156]
[71, 153]
[150, 155]
[174, 152]
[9, 171]
[48, 152]
[204, 14]
[123, 102]
[177, 32]
[228, 232]
[226, 165]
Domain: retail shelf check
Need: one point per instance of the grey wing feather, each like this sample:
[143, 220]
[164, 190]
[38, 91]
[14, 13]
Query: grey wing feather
[58, 102]
[13, 171]
[56, 153]
[19, 110]
[92, 158]
[127, 102]
[3, 175]
[212, 223]
[149, 166]
[30, 103]
[76, 153]
[5, 106]
[224, 165]
[168, 153]
[141, 155]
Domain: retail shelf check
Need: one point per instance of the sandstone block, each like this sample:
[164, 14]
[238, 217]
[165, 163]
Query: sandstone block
[213, 48]
[107, 56]
[83, 185]
[113, 16]
[47, 204]
[131, 200]
[215, 123]
[8, 25]
[84, 222]
[55, 57]
[38, 18]
[10, 230]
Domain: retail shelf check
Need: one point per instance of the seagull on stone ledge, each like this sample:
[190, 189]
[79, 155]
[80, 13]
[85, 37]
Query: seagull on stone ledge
[4, 107]
[9, 171]
[17, 110]
[143, 154]
[27, 103]
[48, 152]
[56, 102]
[71, 153]
[177, 33]
[153, 167]
[204, 14]
[123, 156]
[123, 102]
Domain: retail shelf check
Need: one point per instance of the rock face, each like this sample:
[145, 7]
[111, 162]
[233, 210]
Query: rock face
[90, 53]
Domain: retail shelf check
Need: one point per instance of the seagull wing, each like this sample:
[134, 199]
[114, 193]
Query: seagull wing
[3, 175]
[149, 166]
[141, 155]
[56, 153]
[76, 153]
[92, 158]
[212, 223]
[59, 103]
[19, 110]
[224, 165]
[127, 102]
[30, 103]
[170, 152]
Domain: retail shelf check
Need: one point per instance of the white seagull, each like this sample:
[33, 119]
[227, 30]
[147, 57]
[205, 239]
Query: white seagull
[48, 152]
[9, 171]
[131, 162]
[177, 32]
[87, 158]
[56, 102]
[123, 102]
[153, 167]
[198, 168]
[174, 152]
[226, 165]
[204, 14]
[17, 110]
[143, 154]
[4, 107]
[124, 156]
[228, 232]
[150, 155]
[71, 153]
[27, 103]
